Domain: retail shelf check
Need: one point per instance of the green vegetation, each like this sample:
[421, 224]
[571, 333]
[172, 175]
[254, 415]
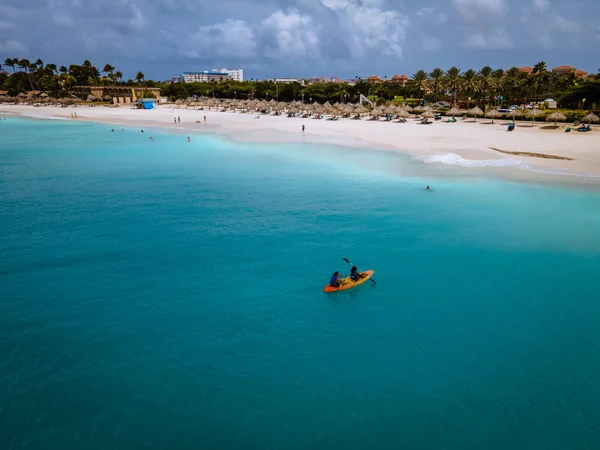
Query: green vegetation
[467, 88]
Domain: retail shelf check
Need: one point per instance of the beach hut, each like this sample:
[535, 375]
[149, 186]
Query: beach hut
[532, 114]
[145, 103]
[556, 117]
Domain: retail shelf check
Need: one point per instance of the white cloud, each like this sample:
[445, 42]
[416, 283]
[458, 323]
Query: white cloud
[369, 30]
[228, 39]
[427, 11]
[565, 25]
[13, 46]
[431, 44]
[541, 5]
[296, 35]
[481, 10]
[496, 39]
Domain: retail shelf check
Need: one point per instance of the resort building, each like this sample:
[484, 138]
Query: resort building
[235, 74]
[203, 77]
[526, 69]
[286, 80]
[399, 79]
[564, 70]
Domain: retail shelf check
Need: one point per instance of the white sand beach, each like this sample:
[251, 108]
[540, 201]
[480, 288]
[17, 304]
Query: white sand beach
[464, 143]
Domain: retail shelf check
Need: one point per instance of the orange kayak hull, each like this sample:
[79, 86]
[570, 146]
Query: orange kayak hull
[347, 283]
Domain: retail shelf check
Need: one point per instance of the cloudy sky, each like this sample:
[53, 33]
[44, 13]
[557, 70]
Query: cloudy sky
[278, 38]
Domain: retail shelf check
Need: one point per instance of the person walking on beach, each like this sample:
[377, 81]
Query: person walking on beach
[178, 118]
[174, 119]
[303, 128]
[204, 118]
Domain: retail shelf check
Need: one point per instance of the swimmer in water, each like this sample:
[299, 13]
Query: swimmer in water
[189, 139]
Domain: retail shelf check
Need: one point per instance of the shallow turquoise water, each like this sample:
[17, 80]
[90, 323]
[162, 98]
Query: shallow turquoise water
[168, 295]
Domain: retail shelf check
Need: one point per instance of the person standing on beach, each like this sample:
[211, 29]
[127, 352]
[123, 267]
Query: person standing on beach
[178, 118]
[174, 119]
[204, 118]
[303, 128]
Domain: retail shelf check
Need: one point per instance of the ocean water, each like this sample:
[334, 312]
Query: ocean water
[168, 295]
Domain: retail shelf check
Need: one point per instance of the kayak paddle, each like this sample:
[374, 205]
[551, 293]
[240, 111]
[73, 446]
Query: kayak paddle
[370, 279]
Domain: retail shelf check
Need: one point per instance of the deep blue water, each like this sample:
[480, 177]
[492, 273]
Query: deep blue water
[167, 295]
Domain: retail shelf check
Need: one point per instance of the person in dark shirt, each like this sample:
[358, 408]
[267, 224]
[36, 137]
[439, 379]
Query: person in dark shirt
[335, 280]
[354, 275]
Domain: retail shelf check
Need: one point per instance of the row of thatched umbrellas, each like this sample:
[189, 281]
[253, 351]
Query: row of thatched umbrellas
[344, 109]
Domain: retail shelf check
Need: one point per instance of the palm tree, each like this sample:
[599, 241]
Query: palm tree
[24, 64]
[486, 82]
[63, 69]
[39, 63]
[108, 68]
[11, 62]
[419, 80]
[470, 84]
[139, 77]
[119, 75]
[435, 77]
[540, 77]
[453, 82]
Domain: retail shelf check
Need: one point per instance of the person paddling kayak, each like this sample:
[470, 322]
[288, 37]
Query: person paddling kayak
[335, 280]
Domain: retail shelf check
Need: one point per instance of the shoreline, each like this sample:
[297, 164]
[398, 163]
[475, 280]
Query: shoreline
[528, 153]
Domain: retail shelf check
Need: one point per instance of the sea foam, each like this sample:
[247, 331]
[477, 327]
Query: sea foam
[456, 160]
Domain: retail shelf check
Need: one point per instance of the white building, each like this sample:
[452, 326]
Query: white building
[203, 77]
[235, 74]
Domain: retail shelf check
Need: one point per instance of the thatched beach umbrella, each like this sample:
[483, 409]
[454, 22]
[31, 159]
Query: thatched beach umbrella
[515, 113]
[391, 109]
[403, 113]
[408, 108]
[418, 109]
[454, 112]
[476, 111]
[532, 114]
[493, 114]
[591, 117]
[556, 117]
[428, 115]
[92, 98]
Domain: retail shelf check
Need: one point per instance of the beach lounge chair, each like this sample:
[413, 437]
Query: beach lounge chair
[401, 120]
[568, 130]
[584, 128]
[438, 117]
[511, 127]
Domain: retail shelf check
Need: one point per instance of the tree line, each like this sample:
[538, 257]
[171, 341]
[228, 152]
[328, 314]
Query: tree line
[58, 81]
[482, 87]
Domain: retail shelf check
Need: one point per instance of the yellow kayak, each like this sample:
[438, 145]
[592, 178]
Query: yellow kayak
[347, 283]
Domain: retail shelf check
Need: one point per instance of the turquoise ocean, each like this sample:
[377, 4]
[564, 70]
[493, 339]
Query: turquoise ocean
[168, 295]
